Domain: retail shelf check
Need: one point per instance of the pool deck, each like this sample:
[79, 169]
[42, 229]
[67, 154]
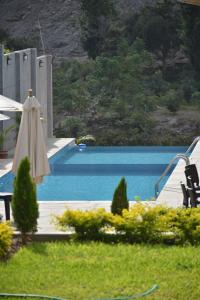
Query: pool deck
[171, 194]
[46, 208]
[53, 146]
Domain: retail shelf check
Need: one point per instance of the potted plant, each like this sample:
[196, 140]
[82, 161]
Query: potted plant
[3, 135]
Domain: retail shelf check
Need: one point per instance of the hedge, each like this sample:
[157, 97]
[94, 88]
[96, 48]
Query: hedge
[142, 223]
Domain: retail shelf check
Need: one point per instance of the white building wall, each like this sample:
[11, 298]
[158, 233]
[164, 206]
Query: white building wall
[20, 71]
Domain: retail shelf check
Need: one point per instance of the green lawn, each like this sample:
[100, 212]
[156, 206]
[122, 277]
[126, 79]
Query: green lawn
[96, 270]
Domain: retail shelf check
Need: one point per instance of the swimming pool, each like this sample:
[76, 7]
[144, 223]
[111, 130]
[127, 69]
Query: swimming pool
[93, 174]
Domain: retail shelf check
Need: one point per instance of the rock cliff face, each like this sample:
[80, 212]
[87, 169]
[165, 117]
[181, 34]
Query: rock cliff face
[59, 22]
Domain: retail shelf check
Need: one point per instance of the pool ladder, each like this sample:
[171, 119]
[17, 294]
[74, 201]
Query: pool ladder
[178, 156]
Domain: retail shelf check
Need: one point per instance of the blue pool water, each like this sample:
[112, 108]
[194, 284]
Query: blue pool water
[93, 174]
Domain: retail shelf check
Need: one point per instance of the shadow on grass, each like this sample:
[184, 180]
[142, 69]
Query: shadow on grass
[121, 239]
[38, 248]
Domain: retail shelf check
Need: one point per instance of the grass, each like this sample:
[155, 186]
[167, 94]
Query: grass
[97, 270]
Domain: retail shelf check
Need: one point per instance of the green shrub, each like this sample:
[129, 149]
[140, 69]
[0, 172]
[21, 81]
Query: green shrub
[5, 238]
[24, 202]
[185, 225]
[120, 200]
[141, 224]
[88, 140]
[85, 223]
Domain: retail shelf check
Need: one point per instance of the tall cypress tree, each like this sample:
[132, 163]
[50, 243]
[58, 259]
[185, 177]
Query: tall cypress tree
[120, 200]
[24, 202]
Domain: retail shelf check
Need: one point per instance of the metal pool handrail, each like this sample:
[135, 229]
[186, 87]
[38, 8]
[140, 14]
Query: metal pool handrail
[178, 156]
[196, 140]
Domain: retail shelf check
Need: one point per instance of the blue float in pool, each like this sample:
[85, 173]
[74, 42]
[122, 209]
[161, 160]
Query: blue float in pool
[81, 147]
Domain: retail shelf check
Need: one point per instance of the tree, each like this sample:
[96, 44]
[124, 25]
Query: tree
[99, 29]
[120, 200]
[158, 25]
[191, 29]
[24, 202]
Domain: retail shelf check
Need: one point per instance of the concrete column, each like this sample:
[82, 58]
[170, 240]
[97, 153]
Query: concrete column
[18, 73]
[17, 76]
[25, 73]
[1, 77]
[49, 97]
[44, 91]
[33, 54]
[9, 90]
[1, 69]
[9, 82]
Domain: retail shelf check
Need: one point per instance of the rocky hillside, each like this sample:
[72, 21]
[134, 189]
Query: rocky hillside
[59, 21]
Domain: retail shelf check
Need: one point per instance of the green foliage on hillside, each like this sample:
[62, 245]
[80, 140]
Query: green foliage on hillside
[138, 65]
[191, 25]
[99, 30]
[159, 26]
[112, 98]
[109, 91]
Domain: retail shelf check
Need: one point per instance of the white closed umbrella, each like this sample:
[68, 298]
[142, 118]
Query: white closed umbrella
[30, 141]
[192, 2]
[7, 104]
[4, 117]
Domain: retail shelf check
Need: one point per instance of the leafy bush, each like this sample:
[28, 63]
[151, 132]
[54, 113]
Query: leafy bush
[120, 200]
[5, 238]
[87, 139]
[85, 223]
[24, 202]
[185, 225]
[141, 224]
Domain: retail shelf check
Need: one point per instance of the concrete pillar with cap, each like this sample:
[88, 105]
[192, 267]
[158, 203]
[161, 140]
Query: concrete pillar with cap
[44, 91]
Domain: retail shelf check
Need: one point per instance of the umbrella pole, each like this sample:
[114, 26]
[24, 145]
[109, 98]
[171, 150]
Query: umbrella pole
[30, 92]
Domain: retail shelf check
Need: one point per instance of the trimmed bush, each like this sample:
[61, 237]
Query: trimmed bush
[120, 200]
[185, 225]
[24, 202]
[141, 224]
[5, 239]
[85, 223]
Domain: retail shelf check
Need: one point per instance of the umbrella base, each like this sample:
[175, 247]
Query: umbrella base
[3, 154]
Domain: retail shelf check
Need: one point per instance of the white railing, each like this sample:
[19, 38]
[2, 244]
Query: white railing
[196, 140]
[183, 156]
[178, 156]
